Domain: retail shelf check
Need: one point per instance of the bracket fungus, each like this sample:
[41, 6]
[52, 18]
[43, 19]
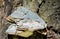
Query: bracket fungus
[26, 22]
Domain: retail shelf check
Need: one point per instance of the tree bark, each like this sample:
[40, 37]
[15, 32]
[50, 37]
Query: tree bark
[49, 10]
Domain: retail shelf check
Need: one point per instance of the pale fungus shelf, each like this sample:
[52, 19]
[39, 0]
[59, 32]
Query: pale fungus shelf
[25, 22]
